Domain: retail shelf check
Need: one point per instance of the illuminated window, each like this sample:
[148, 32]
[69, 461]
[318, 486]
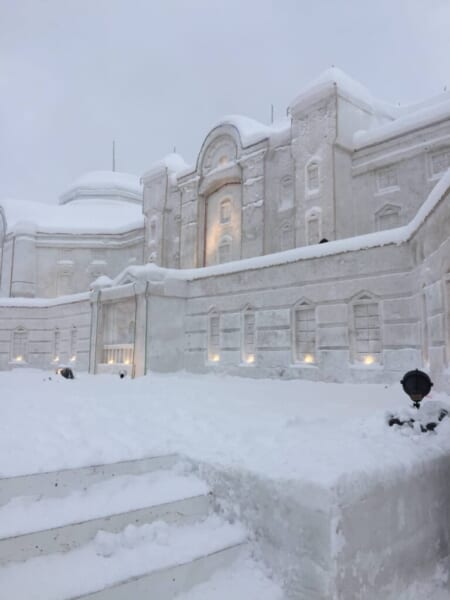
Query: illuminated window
[225, 211]
[19, 345]
[367, 331]
[304, 333]
[223, 161]
[214, 336]
[313, 176]
[224, 250]
[249, 336]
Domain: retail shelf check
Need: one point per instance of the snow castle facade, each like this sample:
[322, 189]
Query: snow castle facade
[317, 247]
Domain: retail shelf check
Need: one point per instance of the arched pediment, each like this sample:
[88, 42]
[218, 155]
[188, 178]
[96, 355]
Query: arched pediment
[364, 296]
[220, 149]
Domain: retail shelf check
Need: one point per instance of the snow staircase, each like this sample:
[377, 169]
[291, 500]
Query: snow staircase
[125, 531]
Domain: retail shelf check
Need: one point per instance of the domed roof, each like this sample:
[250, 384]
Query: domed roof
[109, 185]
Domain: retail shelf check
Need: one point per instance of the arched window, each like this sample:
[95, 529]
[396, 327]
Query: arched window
[73, 344]
[286, 193]
[224, 250]
[286, 241]
[153, 227]
[19, 346]
[313, 224]
[313, 176]
[387, 217]
[225, 211]
[213, 336]
[248, 344]
[304, 332]
[56, 344]
[366, 330]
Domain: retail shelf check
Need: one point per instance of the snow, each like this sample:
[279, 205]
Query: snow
[263, 426]
[395, 236]
[414, 120]
[44, 302]
[347, 86]
[285, 433]
[121, 494]
[244, 581]
[252, 131]
[84, 216]
[110, 558]
[95, 182]
[172, 162]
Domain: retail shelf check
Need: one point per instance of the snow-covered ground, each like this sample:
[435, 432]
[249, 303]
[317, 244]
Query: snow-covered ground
[280, 431]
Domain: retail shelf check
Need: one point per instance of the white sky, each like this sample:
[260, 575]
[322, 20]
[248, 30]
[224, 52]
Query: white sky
[155, 74]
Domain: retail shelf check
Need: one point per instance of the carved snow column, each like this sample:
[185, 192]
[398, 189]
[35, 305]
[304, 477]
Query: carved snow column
[189, 224]
[140, 341]
[155, 195]
[96, 335]
[253, 194]
[314, 127]
[23, 280]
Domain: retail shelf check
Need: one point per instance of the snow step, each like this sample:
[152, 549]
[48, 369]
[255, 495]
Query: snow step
[59, 483]
[157, 560]
[30, 526]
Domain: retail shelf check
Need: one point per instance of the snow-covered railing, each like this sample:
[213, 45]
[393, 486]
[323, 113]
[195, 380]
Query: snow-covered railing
[118, 354]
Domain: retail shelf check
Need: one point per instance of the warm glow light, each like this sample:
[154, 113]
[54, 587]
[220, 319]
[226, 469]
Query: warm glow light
[73, 359]
[19, 358]
[369, 360]
[250, 359]
[126, 362]
[215, 358]
[56, 359]
[110, 361]
[308, 358]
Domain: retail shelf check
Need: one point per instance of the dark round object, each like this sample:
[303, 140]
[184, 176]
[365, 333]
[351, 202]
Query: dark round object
[323, 241]
[417, 385]
[66, 372]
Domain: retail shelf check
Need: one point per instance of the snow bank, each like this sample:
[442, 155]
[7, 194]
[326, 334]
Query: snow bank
[172, 162]
[103, 182]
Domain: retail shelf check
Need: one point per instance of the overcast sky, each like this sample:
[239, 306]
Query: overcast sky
[155, 74]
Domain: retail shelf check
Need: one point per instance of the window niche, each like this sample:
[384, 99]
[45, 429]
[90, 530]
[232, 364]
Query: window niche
[225, 211]
[367, 346]
[19, 345]
[313, 225]
[224, 250]
[213, 336]
[439, 162]
[304, 333]
[248, 337]
[286, 193]
[313, 176]
[388, 217]
[387, 180]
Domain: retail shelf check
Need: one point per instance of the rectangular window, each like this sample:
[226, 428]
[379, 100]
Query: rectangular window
[225, 211]
[214, 338]
[368, 347]
[312, 174]
[56, 344]
[387, 179]
[224, 254]
[440, 162]
[73, 344]
[304, 335]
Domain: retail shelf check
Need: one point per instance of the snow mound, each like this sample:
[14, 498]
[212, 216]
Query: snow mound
[104, 184]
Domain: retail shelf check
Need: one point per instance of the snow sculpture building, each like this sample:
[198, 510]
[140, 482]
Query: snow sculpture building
[232, 274]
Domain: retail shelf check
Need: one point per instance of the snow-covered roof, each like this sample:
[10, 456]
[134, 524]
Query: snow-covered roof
[413, 119]
[173, 163]
[252, 131]
[111, 185]
[347, 87]
[86, 216]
